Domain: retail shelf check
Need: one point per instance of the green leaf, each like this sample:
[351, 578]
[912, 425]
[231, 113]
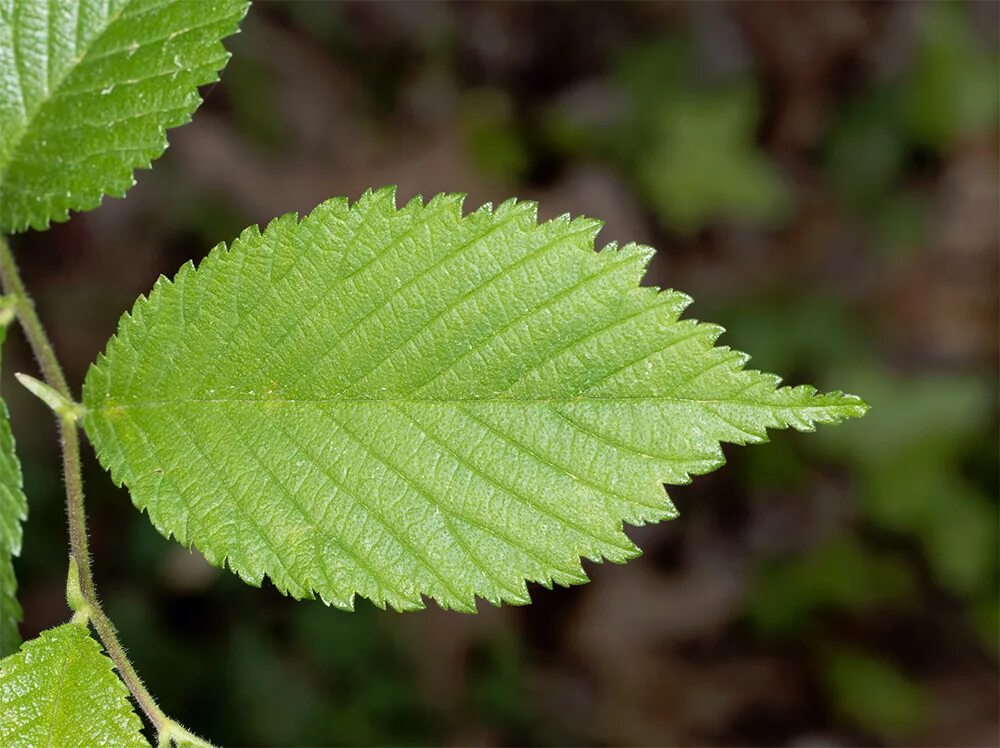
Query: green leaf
[702, 164]
[407, 402]
[952, 93]
[787, 595]
[60, 690]
[87, 90]
[687, 139]
[874, 694]
[13, 511]
[906, 463]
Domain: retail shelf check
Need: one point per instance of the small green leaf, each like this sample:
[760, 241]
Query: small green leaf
[13, 511]
[87, 90]
[61, 691]
[398, 403]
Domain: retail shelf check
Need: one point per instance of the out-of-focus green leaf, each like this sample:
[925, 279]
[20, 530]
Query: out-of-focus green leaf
[490, 136]
[935, 416]
[867, 147]
[787, 595]
[789, 331]
[874, 694]
[909, 462]
[954, 90]
[497, 689]
[690, 148]
[899, 222]
[703, 164]
[986, 619]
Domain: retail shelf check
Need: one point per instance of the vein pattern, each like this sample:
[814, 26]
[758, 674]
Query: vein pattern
[409, 403]
[61, 691]
[88, 89]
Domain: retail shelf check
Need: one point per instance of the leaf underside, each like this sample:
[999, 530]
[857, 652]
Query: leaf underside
[60, 690]
[13, 511]
[401, 403]
[88, 89]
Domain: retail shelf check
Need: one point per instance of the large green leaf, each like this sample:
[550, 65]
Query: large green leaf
[87, 89]
[61, 691]
[407, 402]
[13, 511]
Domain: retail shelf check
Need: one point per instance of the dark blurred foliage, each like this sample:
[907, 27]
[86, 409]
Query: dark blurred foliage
[822, 178]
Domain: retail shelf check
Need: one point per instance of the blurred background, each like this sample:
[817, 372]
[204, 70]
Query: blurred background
[821, 177]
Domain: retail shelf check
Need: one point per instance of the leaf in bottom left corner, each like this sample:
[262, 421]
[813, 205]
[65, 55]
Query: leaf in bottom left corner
[61, 690]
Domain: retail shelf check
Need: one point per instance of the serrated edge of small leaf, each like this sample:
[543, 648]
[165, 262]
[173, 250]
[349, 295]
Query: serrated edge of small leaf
[74, 629]
[95, 198]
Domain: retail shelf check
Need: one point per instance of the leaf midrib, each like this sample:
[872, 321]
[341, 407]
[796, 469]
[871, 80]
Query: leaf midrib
[72, 656]
[111, 406]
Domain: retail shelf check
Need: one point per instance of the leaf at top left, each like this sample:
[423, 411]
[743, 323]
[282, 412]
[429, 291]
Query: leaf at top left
[88, 89]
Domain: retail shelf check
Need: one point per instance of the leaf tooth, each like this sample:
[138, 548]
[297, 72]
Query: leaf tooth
[530, 207]
[450, 202]
[383, 198]
[633, 256]
[679, 299]
[345, 603]
[857, 406]
[589, 228]
[569, 579]
[404, 605]
[642, 251]
[459, 605]
[517, 596]
[335, 209]
[414, 205]
[251, 234]
[278, 228]
[253, 577]
[185, 270]
[739, 358]
[711, 331]
[772, 380]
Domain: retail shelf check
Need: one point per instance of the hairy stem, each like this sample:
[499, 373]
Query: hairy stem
[52, 372]
[34, 331]
[80, 551]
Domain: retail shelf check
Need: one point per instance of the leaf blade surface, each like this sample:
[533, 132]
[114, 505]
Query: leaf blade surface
[410, 402]
[87, 91]
[60, 690]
